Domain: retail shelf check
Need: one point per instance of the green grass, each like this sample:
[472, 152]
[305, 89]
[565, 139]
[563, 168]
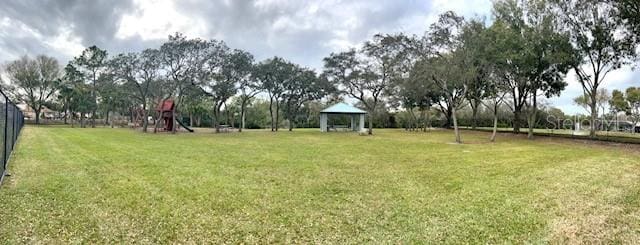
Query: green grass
[118, 185]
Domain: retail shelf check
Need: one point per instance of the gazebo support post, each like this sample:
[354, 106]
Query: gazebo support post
[353, 123]
[361, 126]
[323, 122]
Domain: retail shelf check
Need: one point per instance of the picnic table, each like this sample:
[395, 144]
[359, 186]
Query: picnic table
[339, 127]
[224, 128]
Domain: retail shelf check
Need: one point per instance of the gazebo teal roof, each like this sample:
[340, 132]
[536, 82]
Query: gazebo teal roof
[343, 108]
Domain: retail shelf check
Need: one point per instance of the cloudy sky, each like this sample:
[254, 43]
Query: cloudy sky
[301, 31]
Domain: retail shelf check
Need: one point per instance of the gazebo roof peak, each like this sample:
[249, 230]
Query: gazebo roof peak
[343, 108]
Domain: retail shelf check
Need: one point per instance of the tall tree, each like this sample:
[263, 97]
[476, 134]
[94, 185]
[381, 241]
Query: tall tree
[35, 81]
[92, 62]
[179, 58]
[306, 86]
[113, 96]
[451, 68]
[386, 58]
[633, 102]
[215, 75]
[415, 92]
[475, 38]
[599, 41]
[510, 68]
[272, 74]
[147, 72]
[546, 53]
[619, 104]
[76, 94]
[236, 71]
[248, 86]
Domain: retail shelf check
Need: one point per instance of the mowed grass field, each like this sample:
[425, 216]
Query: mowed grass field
[119, 185]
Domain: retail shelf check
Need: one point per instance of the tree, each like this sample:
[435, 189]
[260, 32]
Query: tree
[35, 81]
[386, 58]
[137, 72]
[633, 101]
[509, 67]
[236, 70]
[272, 74]
[618, 104]
[415, 92]
[146, 73]
[476, 40]
[451, 69]
[547, 54]
[247, 85]
[602, 99]
[196, 104]
[215, 74]
[113, 97]
[600, 43]
[304, 87]
[92, 62]
[75, 94]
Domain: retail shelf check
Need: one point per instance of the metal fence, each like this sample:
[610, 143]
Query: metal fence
[11, 122]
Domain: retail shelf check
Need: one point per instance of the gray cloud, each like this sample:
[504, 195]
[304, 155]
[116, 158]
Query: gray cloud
[302, 31]
[94, 21]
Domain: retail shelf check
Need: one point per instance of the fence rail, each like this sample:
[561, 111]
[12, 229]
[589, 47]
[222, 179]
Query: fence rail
[11, 122]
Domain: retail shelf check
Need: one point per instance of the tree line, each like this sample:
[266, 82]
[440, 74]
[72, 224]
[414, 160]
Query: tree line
[518, 57]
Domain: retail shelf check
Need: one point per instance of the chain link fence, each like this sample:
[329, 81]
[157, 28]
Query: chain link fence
[11, 122]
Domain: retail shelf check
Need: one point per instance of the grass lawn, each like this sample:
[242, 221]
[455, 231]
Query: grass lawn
[118, 185]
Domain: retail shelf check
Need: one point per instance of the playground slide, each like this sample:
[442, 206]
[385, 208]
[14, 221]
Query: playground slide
[184, 126]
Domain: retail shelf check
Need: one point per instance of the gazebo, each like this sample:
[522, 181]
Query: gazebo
[342, 109]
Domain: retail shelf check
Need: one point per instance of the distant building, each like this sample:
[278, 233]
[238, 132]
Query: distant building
[30, 114]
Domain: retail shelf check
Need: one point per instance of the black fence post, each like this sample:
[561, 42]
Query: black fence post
[4, 150]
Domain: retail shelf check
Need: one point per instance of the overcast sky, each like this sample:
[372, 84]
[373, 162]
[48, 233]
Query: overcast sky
[301, 31]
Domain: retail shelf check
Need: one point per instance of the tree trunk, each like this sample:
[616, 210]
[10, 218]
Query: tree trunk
[215, 118]
[271, 113]
[37, 111]
[516, 120]
[145, 119]
[371, 122]
[532, 115]
[290, 123]
[448, 117]
[495, 123]
[277, 114]
[242, 111]
[66, 114]
[455, 125]
[174, 127]
[106, 120]
[594, 114]
[474, 115]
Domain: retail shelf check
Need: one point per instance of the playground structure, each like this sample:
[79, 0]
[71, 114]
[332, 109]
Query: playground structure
[168, 116]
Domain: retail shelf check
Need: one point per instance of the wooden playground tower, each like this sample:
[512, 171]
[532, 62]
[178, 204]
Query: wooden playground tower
[168, 117]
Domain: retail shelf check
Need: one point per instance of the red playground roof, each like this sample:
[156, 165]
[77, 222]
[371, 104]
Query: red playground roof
[166, 106]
